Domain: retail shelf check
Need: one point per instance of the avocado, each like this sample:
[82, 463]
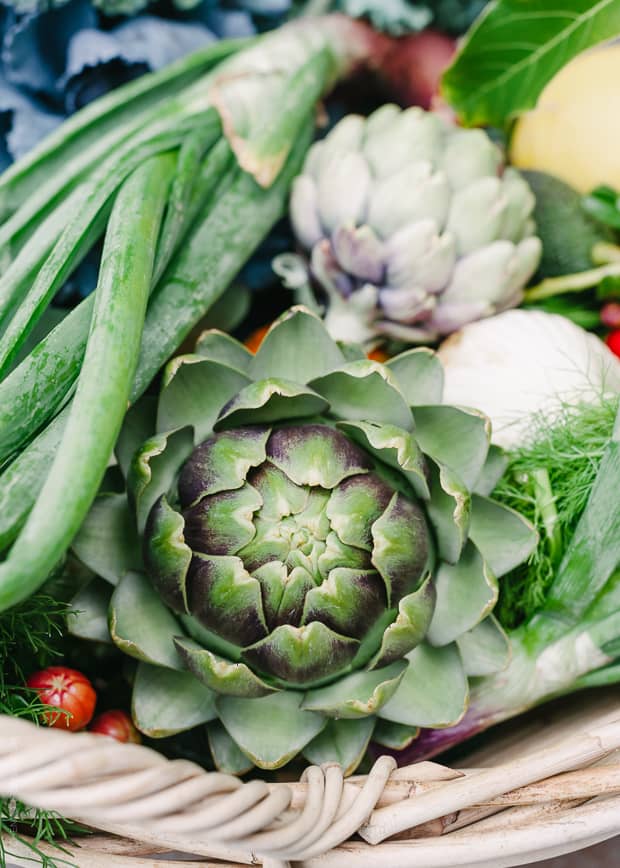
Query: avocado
[567, 232]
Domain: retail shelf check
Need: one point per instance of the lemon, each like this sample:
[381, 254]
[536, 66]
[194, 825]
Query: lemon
[574, 131]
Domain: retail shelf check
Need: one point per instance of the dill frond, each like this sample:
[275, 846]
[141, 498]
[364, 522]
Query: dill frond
[549, 480]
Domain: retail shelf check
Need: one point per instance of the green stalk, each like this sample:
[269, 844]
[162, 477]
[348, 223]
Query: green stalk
[218, 247]
[34, 390]
[81, 141]
[552, 286]
[82, 231]
[100, 402]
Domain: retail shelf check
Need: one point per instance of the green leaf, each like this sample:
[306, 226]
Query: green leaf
[88, 618]
[503, 536]
[154, 468]
[222, 348]
[515, 48]
[227, 756]
[466, 593]
[272, 400]
[433, 692]
[193, 393]
[166, 702]
[141, 625]
[395, 447]
[219, 674]
[454, 437]
[420, 375]
[485, 650]
[357, 695]
[296, 345]
[343, 742]
[108, 541]
[138, 426]
[271, 730]
[395, 736]
[449, 511]
[361, 391]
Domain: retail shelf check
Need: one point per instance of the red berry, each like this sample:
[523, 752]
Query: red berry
[69, 691]
[613, 342]
[116, 724]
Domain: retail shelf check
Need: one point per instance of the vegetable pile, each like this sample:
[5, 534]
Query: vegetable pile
[258, 530]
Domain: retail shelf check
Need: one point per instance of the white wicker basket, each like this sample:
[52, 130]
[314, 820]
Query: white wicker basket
[548, 786]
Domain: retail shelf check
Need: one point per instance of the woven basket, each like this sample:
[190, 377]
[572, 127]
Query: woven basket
[547, 786]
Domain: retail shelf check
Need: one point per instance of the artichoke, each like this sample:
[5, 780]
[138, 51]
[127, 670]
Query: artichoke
[413, 229]
[319, 561]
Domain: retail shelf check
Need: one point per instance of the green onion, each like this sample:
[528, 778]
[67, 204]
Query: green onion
[98, 409]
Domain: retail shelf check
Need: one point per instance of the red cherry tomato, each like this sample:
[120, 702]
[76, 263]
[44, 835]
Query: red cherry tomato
[68, 690]
[613, 342]
[116, 724]
[610, 315]
[378, 355]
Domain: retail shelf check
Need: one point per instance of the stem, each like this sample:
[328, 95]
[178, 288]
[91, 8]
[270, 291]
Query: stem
[546, 505]
[551, 286]
[99, 406]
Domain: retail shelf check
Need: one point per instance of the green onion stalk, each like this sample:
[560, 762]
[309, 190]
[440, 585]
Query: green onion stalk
[572, 641]
[182, 173]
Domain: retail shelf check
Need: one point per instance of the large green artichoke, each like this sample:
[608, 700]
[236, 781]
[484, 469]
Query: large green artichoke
[412, 225]
[319, 560]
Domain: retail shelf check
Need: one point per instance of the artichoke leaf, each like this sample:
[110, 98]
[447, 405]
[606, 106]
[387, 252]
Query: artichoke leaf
[227, 756]
[434, 690]
[401, 547]
[449, 511]
[415, 612]
[194, 390]
[419, 374]
[395, 447]
[166, 554]
[492, 472]
[166, 702]
[486, 649]
[298, 344]
[316, 455]
[107, 542]
[466, 593]
[140, 624]
[222, 463]
[395, 736]
[349, 601]
[343, 742]
[504, 537]
[217, 346]
[364, 391]
[302, 655]
[271, 730]
[138, 425]
[154, 468]
[220, 675]
[88, 618]
[357, 695]
[455, 437]
[271, 400]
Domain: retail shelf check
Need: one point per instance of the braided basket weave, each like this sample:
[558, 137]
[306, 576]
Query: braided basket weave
[549, 786]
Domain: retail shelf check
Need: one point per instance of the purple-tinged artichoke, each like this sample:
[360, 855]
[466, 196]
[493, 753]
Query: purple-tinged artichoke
[413, 227]
[320, 554]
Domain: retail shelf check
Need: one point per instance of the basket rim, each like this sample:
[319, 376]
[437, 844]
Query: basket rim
[561, 795]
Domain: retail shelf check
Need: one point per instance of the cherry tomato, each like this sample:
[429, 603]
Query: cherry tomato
[613, 342]
[610, 315]
[116, 724]
[68, 690]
